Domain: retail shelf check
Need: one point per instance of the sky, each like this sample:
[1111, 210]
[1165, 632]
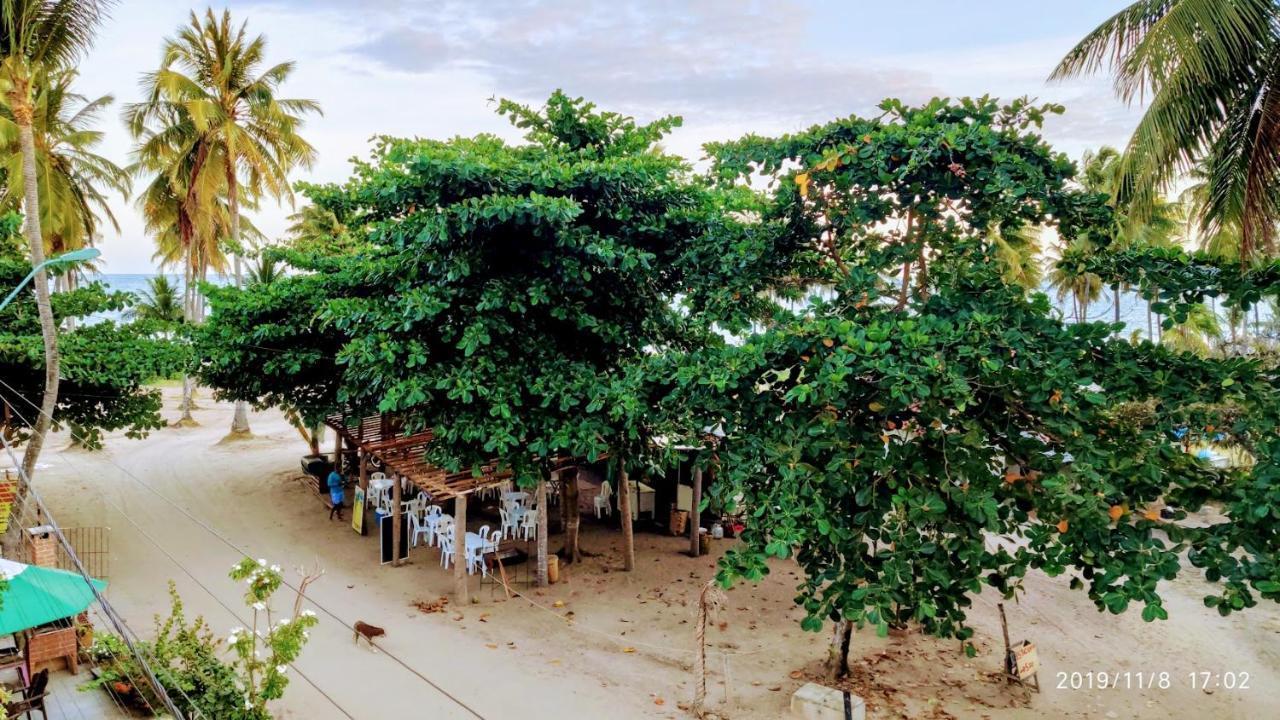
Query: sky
[430, 68]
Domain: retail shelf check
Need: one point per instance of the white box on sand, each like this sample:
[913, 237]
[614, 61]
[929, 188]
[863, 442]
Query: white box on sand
[818, 702]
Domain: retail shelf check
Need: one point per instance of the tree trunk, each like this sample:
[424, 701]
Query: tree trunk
[189, 315]
[571, 514]
[838, 652]
[35, 239]
[1115, 296]
[459, 550]
[541, 499]
[1151, 335]
[624, 510]
[397, 521]
[695, 515]
[240, 420]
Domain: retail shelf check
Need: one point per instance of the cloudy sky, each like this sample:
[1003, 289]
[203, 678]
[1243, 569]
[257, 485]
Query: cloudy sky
[429, 67]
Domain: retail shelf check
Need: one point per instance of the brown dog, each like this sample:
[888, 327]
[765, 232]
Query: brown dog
[368, 631]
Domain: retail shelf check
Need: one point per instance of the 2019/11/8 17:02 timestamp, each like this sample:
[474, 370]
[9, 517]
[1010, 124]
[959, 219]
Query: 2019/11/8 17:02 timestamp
[1154, 680]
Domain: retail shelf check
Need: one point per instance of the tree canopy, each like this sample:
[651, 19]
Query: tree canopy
[911, 441]
[899, 415]
[507, 297]
[105, 366]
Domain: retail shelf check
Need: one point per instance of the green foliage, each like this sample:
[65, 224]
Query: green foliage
[104, 365]
[188, 658]
[160, 303]
[911, 448]
[1207, 71]
[508, 297]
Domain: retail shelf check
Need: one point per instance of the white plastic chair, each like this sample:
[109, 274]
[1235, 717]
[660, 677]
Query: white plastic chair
[603, 506]
[510, 523]
[529, 524]
[429, 518]
[493, 541]
[420, 528]
[443, 529]
[446, 550]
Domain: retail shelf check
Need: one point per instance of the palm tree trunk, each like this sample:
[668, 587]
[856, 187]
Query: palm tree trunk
[189, 315]
[1151, 334]
[35, 238]
[1115, 297]
[240, 420]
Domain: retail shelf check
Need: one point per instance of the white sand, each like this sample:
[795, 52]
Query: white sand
[626, 652]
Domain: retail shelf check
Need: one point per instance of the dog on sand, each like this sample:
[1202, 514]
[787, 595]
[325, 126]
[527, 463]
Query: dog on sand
[368, 631]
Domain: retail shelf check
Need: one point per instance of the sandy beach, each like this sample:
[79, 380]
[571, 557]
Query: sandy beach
[601, 643]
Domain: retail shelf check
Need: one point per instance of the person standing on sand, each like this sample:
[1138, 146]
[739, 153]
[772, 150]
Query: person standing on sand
[335, 493]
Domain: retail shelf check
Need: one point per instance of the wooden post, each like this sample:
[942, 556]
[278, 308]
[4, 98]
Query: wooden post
[541, 499]
[1008, 651]
[396, 523]
[364, 473]
[624, 509]
[460, 550]
[337, 451]
[695, 517]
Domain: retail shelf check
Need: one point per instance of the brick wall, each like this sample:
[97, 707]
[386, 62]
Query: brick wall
[49, 646]
[42, 547]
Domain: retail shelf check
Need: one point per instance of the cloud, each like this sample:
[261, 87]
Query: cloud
[713, 59]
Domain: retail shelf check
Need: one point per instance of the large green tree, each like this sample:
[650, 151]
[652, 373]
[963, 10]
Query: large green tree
[508, 296]
[909, 449]
[105, 366]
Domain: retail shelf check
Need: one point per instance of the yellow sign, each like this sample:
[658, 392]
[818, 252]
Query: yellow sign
[1025, 661]
[357, 512]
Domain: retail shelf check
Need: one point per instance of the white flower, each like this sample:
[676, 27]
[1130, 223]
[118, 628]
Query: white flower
[262, 562]
[247, 705]
[281, 669]
[284, 621]
[275, 568]
[233, 639]
[306, 634]
[259, 606]
[308, 613]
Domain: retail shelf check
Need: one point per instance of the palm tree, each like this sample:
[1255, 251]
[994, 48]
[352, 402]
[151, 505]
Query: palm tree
[316, 229]
[265, 270]
[213, 72]
[159, 303]
[1083, 288]
[1158, 226]
[36, 36]
[1018, 253]
[1193, 335]
[1210, 73]
[72, 178]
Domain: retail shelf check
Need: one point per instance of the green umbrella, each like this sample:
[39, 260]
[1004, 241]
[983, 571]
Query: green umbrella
[36, 595]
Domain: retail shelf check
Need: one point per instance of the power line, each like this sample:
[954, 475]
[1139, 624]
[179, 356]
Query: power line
[102, 601]
[202, 586]
[226, 541]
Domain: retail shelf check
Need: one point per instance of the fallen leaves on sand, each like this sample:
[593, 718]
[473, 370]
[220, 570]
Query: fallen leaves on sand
[628, 649]
[432, 607]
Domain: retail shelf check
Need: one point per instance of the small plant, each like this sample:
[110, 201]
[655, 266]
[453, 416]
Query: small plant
[192, 664]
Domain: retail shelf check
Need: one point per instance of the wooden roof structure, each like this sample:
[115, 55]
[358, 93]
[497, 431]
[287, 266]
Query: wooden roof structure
[405, 454]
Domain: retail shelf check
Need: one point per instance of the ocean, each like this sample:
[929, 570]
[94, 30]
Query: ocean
[136, 283]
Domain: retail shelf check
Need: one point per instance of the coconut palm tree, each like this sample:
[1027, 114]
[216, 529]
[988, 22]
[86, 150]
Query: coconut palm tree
[73, 180]
[1195, 334]
[1209, 71]
[214, 72]
[1083, 288]
[1159, 226]
[158, 303]
[37, 36]
[316, 229]
[265, 270]
[1018, 254]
